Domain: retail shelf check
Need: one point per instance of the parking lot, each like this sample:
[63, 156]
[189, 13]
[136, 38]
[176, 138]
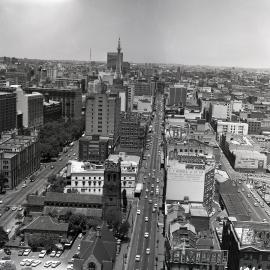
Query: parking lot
[64, 259]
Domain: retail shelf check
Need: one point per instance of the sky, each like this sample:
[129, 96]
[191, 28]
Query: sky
[192, 32]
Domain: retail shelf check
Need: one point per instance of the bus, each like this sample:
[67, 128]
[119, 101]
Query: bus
[138, 190]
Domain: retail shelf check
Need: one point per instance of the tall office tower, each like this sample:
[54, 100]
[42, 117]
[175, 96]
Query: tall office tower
[177, 96]
[131, 88]
[115, 59]
[102, 115]
[142, 88]
[8, 111]
[31, 106]
[112, 189]
[119, 63]
[178, 74]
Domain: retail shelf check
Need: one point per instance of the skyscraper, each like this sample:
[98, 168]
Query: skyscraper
[177, 96]
[115, 60]
[119, 62]
[8, 112]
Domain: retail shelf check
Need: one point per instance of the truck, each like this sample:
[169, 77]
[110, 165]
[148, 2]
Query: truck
[138, 190]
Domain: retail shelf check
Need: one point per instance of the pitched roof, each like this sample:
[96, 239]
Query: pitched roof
[72, 198]
[45, 223]
[103, 247]
[35, 200]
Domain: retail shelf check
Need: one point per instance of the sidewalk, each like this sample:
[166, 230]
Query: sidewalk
[160, 245]
[121, 258]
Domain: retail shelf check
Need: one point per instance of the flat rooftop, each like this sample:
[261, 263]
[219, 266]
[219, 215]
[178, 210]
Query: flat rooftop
[253, 234]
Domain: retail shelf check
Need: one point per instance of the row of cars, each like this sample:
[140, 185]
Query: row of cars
[26, 252]
[34, 263]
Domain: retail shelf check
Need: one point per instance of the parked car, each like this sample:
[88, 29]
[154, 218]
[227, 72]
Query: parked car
[48, 264]
[58, 253]
[20, 252]
[42, 253]
[35, 263]
[53, 253]
[55, 264]
[27, 252]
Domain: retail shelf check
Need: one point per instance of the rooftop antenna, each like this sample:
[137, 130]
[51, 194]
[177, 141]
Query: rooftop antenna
[90, 65]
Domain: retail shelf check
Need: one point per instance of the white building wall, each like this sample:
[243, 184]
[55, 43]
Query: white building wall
[232, 127]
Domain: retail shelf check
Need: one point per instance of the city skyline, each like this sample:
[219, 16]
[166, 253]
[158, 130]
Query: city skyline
[224, 33]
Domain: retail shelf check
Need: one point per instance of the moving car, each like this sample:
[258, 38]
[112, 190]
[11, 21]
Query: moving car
[147, 251]
[138, 258]
[138, 212]
[146, 219]
[146, 234]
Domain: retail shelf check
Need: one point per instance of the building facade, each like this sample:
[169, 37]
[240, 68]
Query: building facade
[112, 189]
[31, 106]
[177, 96]
[142, 88]
[93, 148]
[103, 115]
[132, 132]
[189, 178]
[220, 110]
[8, 113]
[19, 157]
[247, 244]
[52, 111]
[232, 127]
[87, 178]
[70, 98]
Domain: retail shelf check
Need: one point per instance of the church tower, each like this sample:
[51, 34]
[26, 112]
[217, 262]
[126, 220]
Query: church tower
[112, 189]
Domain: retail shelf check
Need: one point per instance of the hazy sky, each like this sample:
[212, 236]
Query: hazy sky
[210, 32]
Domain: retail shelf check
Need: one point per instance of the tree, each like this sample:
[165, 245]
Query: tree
[8, 265]
[37, 241]
[124, 198]
[3, 237]
[57, 183]
[19, 216]
[113, 218]
[3, 181]
[123, 228]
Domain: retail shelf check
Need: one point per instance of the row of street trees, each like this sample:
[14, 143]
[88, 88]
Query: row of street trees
[53, 136]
